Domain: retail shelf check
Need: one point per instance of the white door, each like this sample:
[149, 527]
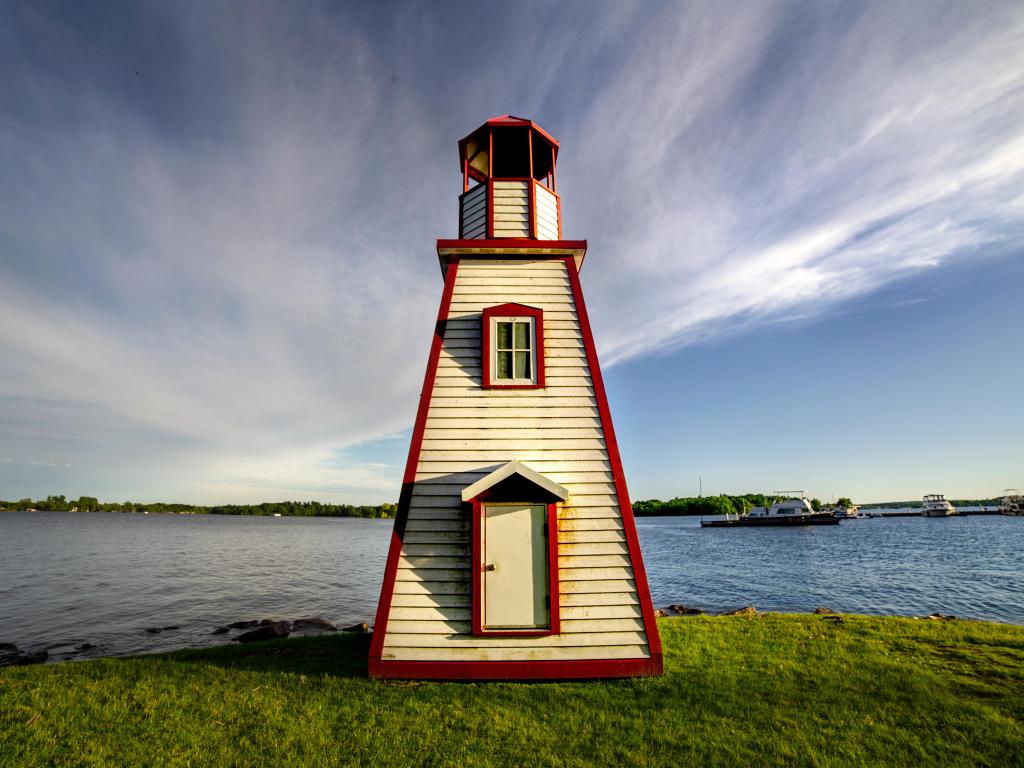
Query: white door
[515, 554]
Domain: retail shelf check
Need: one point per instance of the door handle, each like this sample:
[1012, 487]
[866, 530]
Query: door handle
[489, 567]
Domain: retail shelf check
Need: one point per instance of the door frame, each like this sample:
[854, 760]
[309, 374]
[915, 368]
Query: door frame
[478, 572]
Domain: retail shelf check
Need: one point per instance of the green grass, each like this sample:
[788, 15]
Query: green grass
[769, 690]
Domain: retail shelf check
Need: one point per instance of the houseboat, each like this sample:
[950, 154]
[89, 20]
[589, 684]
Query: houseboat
[1012, 503]
[783, 513]
[935, 505]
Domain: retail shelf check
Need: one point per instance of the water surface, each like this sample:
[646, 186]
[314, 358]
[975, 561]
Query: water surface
[105, 578]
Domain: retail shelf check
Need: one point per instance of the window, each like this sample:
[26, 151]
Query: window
[513, 347]
[513, 350]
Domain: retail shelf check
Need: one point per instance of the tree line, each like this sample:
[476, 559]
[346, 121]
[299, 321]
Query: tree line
[267, 509]
[723, 504]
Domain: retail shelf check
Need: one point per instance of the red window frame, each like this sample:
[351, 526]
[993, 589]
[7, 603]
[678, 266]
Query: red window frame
[478, 573]
[486, 356]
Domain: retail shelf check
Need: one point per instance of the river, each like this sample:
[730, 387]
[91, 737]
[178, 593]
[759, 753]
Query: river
[109, 580]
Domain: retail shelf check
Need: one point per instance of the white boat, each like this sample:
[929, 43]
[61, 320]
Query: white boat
[795, 511]
[845, 513]
[1012, 503]
[935, 505]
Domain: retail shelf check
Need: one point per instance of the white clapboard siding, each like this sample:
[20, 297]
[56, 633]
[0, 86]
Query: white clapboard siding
[597, 587]
[441, 421]
[557, 431]
[562, 477]
[566, 536]
[409, 574]
[474, 213]
[582, 599]
[546, 207]
[441, 601]
[446, 613]
[410, 587]
[438, 537]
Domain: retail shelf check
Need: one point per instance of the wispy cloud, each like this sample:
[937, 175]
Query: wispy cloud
[216, 269]
[770, 165]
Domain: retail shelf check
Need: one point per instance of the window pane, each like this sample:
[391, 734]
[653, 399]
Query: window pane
[504, 365]
[523, 336]
[504, 336]
[523, 365]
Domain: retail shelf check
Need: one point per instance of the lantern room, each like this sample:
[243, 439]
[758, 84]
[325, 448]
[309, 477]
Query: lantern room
[508, 182]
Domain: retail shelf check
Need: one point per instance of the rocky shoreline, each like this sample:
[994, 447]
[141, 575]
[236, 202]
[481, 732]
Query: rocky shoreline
[259, 630]
[244, 631]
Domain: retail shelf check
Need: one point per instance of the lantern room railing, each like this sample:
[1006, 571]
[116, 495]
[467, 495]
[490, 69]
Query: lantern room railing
[510, 209]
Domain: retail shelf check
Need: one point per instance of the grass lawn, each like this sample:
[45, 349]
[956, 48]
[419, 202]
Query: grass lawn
[738, 691]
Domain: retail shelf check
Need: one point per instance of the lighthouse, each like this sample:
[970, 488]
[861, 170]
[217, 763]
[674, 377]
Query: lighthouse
[514, 554]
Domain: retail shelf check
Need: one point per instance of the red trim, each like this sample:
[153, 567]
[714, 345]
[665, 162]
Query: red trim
[516, 670]
[554, 154]
[521, 244]
[408, 479]
[626, 509]
[511, 310]
[531, 212]
[489, 202]
[532, 193]
[478, 575]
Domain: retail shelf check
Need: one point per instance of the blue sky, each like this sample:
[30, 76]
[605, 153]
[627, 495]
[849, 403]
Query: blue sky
[217, 276]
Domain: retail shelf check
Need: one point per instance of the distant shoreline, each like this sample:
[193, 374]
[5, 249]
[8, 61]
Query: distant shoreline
[266, 509]
[702, 506]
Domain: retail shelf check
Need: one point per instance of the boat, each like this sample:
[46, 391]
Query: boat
[1012, 503]
[786, 513]
[935, 505]
[845, 513]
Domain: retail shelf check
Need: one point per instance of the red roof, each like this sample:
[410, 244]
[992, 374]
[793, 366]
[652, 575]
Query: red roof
[511, 121]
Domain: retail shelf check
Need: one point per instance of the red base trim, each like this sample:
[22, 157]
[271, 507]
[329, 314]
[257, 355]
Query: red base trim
[514, 670]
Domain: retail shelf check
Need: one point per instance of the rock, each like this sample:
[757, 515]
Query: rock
[268, 622]
[684, 610]
[153, 630]
[747, 610]
[314, 623]
[364, 627]
[243, 624]
[942, 617]
[660, 613]
[220, 631]
[85, 647]
[10, 656]
[822, 611]
[168, 629]
[267, 632]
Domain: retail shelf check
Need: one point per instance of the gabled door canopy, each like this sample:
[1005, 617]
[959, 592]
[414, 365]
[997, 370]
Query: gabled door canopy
[513, 470]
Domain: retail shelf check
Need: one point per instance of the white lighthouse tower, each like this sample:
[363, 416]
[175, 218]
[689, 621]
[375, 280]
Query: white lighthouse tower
[514, 553]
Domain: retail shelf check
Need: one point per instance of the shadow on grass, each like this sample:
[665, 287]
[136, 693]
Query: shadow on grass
[333, 655]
